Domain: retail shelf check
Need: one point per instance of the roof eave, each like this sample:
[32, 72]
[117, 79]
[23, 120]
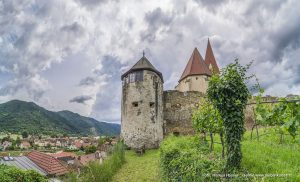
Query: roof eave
[194, 75]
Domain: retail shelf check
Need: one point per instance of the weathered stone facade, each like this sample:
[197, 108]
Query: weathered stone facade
[142, 111]
[178, 110]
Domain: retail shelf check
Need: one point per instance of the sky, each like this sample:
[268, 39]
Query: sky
[70, 55]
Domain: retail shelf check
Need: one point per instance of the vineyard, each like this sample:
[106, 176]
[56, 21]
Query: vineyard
[282, 115]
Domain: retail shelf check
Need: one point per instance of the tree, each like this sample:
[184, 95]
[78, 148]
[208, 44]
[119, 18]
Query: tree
[229, 94]
[207, 119]
[90, 149]
[18, 141]
[24, 134]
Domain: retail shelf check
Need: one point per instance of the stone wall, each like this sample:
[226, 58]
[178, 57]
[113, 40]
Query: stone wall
[178, 108]
[249, 111]
[142, 121]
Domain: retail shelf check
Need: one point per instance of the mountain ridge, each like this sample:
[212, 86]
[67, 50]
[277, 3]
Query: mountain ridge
[17, 116]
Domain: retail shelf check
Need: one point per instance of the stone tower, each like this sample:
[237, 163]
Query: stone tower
[142, 107]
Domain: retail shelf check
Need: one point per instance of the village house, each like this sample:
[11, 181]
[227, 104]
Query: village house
[6, 144]
[85, 159]
[25, 144]
[51, 165]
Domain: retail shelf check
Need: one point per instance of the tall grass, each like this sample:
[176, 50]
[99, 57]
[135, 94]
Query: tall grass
[95, 172]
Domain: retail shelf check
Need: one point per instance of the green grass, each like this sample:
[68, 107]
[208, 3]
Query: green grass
[264, 157]
[139, 168]
[267, 156]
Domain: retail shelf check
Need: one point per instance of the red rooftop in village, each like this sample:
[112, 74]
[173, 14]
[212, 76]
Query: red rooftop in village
[47, 162]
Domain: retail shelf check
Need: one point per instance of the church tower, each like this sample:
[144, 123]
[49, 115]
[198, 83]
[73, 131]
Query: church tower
[210, 60]
[195, 75]
[197, 72]
[142, 107]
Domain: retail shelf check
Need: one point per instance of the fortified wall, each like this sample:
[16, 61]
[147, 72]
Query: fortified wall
[178, 108]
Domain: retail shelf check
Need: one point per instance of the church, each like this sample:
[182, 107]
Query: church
[148, 113]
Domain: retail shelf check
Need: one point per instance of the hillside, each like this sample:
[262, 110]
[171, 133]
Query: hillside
[17, 116]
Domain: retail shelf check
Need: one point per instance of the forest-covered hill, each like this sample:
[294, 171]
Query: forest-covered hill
[17, 116]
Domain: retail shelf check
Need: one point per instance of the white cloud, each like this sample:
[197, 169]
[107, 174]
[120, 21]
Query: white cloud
[49, 48]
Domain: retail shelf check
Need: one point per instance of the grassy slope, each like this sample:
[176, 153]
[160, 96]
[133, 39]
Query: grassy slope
[266, 156]
[139, 168]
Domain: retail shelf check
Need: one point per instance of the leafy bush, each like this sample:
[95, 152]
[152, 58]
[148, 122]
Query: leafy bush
[90, 149]
[185, 159]
[12, 174]
[207, 119]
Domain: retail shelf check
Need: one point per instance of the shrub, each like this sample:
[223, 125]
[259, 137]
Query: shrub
[185, 159]
[12, 174]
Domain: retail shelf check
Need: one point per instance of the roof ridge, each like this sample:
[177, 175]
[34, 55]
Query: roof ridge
[195, 66]
[210, 60]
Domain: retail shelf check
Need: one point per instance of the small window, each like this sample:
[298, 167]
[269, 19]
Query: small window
[131, 77]
[135, 104]
[151, 104]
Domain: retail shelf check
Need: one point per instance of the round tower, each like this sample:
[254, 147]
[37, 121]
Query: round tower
[142, 107]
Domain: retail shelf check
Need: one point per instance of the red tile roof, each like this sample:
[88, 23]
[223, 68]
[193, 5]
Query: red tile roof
[85, 159]
[63, 154]
[195, 66]
[47, 162]
[210, 59]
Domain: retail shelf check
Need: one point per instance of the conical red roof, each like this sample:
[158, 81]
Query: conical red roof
[210, 59]
[195, 66]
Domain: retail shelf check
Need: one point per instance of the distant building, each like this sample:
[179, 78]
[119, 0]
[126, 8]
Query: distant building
[86, 159]
[25, 145]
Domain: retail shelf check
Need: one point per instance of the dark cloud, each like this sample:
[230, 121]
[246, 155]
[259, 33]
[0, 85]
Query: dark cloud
[156, 20]
[74, 28]
[81, 99]
[87, 81]
[92, 3]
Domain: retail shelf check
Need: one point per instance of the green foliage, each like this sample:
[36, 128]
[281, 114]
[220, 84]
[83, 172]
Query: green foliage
[90, 149]
[24, 134]
[12, 174]
[267, 157]
[104, 172]
[207, 119]
[284, 115]
[229, 94]
[102, 140]
[16, 116]
[185, 159]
